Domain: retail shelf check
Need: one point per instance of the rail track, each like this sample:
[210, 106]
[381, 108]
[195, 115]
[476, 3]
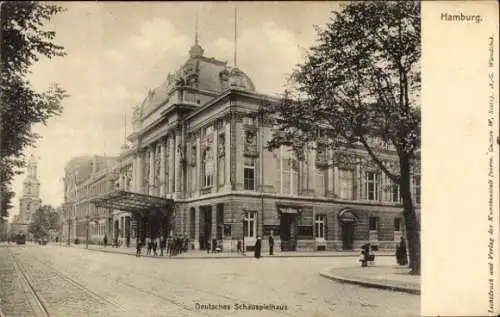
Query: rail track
[38, 305]
[42, 306]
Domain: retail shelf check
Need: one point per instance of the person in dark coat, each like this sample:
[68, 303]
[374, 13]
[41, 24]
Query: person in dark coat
[138, 248]
[155, 246]
[238, 246]
[271, 244]
[162, 245]
[258, 247]
[105, 240]
[150, 246]
[398, 255]
[402, 250]
[214, 245]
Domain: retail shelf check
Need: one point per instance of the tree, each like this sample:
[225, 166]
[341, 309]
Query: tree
[359, 88]
[23, 42]
[44, 219]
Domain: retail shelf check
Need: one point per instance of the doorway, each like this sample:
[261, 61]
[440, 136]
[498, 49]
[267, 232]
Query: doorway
[347, 235]
[288, 232]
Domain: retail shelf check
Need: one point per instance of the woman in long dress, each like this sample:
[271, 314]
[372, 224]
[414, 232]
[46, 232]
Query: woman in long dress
[258, 247]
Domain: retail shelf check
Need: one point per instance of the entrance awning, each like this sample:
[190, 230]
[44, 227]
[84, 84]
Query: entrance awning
[130, 201]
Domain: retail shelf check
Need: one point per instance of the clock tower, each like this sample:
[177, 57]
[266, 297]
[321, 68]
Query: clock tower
[30, 200]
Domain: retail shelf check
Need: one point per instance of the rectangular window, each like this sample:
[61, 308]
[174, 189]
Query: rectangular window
[371, 182]
[249, 224]
[346, 186]
[320, 226]
[395, 193]
[417, 189]
[249, 174]
[320, 182]
[373, 223]
[286, 176]
[222, 170]
[397, 224]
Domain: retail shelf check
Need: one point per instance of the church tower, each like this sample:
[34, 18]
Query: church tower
[30, 200]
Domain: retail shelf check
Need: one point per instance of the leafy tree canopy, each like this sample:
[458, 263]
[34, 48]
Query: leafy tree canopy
[359, 88]
[24, 40]
[44, 219]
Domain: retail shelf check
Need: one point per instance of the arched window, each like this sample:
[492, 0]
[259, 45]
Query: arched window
[208, 168]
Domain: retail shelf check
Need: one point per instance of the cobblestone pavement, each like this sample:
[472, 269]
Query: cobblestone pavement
[115, 284]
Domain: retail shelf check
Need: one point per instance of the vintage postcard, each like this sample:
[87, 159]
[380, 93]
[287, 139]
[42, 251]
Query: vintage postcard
[249, 158]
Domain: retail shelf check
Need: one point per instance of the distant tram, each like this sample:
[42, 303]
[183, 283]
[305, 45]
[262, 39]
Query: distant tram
[20, 239]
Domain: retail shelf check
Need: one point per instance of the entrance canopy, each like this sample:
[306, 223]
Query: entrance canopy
[130, 201]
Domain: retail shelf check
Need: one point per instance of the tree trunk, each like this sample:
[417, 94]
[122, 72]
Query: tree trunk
[410, 216]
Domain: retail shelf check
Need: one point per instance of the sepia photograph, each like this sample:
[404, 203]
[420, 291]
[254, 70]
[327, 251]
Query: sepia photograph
[210, 158]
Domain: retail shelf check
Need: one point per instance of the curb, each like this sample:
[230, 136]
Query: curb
[249, 255]
[370, 284]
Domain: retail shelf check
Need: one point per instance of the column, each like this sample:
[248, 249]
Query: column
[199, 181]
[188, 222]
[333, 179]
[214, 221]
[162, 167]
[216, 158]
[171, 158]
[281, 170]
[178, 164]
[151, 151]
[227, 154]
[138, 172]
[312, 169]
[359, 182]
[197, 228]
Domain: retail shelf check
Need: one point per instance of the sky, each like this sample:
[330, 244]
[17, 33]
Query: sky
[117, 51]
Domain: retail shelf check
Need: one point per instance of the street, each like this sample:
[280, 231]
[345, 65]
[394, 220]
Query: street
[77, 282]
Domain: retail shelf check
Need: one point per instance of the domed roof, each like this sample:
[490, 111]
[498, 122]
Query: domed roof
[199, 72]
[238, 79]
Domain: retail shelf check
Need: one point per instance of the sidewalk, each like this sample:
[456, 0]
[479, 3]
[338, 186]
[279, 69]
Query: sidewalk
[394, 278]
[196, 254]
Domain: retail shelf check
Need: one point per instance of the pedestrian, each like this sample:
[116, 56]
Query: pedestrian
[238, 246]
[402, 250]
[150, 246]
[162, 245]
[271, 244]
[138, 248]
[208, 245]
[155, 245]
[258, 247]
[127, 240]
[214, 245]
[105, 240]
[398, 254]
[363, 258]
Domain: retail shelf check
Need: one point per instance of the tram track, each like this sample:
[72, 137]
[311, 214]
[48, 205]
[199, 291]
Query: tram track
[38, 305]
[41, 305]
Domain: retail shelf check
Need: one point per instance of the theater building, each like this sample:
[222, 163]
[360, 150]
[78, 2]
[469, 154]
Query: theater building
[196, 158]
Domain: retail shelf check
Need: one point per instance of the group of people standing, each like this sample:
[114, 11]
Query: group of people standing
[173, 245]
[258, 246]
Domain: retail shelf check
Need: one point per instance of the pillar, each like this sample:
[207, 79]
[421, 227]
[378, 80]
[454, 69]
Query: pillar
[138, 172]
[216, 158]
[162, 168]
[227, 154]
[199, 172]
[214, 221]
[171, 171]
[151, 151]
[359, 181]
[178, 164]
[197, 228]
